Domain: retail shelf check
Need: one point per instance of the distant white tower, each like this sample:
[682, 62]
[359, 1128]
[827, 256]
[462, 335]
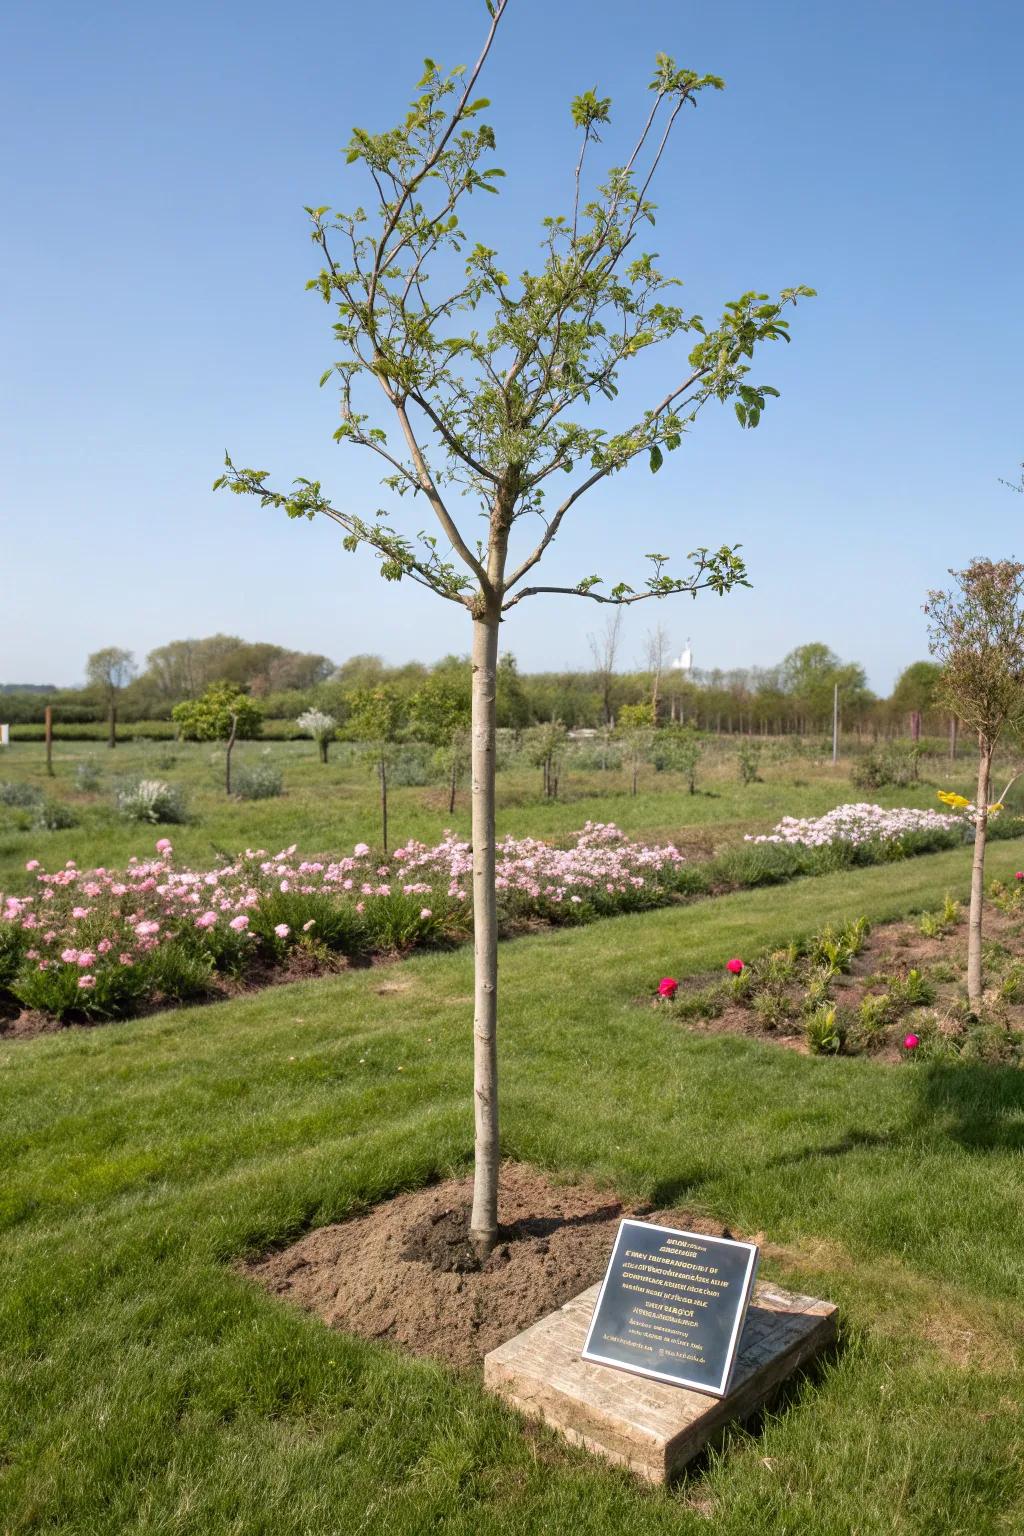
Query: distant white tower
[685, 662]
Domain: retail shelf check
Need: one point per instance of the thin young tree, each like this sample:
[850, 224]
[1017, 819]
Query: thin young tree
[976, 632]
[490, 387]
[440, 713]
[604, 647]
[656, 654]
[109, 671]
[376, 716]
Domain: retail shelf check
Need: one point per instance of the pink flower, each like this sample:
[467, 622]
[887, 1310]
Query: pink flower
[86, 982]
[164, 845]
[32, 864]
[911, 1042]
[425, 913]
[80, 912]
[144, 930]
[207, 920]
[735, 966]
[69, 956]
[282, 930]
[125, 960]
[104, 945]
[86, 958]
[239, 923]
[668, 987]
[1018, 876]
[361, 849]
[307, 926]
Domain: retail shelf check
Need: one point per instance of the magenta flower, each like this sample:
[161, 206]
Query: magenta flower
[911, 1042]
[735, 965]
[1019, 875]
[668, 987]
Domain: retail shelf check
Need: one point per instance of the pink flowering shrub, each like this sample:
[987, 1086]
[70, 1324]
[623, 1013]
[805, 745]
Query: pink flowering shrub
[100, 943]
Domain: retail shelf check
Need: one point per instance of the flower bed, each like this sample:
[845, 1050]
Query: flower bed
[864, 823]
[102, 943]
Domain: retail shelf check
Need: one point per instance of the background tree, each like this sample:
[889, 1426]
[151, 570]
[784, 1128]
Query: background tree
[976, 631]
[376, 716]
[440, 714]
[636, 727]
[604, 647]
[657, 651]
[547, 745]
[109, 671]
[321, 727]
[490, 386]
[223, 713]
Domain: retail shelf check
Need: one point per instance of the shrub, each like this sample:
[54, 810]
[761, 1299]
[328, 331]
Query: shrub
[398, 921]
[749, 760]
[17, 794]
[313, 918]
[57, 990]
[875, 1013]
[12, 948]
[55, 816]
[772, 1007]
[209, 718]
[257, 781]
[411, 768]
[887, 765]
[913, 990]
[152, 800]
[180, 971]
[88, 774]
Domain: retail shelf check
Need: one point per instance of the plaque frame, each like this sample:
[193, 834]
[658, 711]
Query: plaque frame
[732, 1349]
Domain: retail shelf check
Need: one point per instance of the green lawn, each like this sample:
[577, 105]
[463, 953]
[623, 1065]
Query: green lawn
[331, 808]
[148, 1389]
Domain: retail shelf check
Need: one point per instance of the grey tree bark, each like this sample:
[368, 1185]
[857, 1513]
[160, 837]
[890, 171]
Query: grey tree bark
[974, 977]
[484, 1219]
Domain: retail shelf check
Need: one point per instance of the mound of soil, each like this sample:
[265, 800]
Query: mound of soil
[405, 1272]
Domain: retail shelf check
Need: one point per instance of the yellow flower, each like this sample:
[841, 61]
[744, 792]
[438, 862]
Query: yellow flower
[994, 809]
[955, 802]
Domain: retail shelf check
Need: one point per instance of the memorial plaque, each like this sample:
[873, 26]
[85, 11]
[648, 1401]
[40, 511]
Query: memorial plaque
[672, 1306]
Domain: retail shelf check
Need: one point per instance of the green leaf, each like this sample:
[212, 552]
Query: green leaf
[657, 458]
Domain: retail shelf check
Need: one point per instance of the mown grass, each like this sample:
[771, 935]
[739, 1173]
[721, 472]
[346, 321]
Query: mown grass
[149, 1389]
[332, 807]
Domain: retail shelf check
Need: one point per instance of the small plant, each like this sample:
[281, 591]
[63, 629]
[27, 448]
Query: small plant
[930, 924]
[819, 986]
[398, 921]
[180, 972]
[777, 967]
[152, 800]
[258, 781]
[312, 918]
[54, 816]
[88, 775]
[913, 990]
[24, 796]
[874, 1015]
[950, 911]
[1011, 988]
[772, 1008]
[824, 1031]
[709, 1003]
[749, 760]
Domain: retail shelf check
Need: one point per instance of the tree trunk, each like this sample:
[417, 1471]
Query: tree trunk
[974, 986]
[48, 717]
[324, 743]
[227, 755]
[383, 770]
[112, 717]
[484, 1220]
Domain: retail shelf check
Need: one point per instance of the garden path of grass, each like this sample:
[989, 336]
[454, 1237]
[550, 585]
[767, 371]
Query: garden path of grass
[148, 1389]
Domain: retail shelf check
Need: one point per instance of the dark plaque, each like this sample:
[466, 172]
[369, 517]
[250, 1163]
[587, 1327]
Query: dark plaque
[672, 1306]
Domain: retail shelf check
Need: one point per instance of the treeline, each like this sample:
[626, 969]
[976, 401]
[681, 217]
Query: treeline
[794, 698]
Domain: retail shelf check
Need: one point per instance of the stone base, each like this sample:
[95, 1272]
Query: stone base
[649, 1426]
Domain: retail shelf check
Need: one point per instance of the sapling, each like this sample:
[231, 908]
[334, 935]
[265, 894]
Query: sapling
[496, 389]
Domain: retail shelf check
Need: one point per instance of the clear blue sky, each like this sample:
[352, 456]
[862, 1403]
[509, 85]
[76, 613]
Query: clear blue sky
[153, 254]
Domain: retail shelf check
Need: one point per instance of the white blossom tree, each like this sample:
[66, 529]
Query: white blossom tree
[494, 389]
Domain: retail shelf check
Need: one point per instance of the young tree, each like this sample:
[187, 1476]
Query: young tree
[108, 671]
[489, 386]
[440, 713]
[376, 716]
[636, 723]
[604, 647]
[223, 713]
[657, 650]
[321, 727]
[976, 631]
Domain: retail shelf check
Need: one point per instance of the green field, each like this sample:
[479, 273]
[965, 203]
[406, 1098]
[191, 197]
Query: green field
[148, 1389]
[330, 808]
